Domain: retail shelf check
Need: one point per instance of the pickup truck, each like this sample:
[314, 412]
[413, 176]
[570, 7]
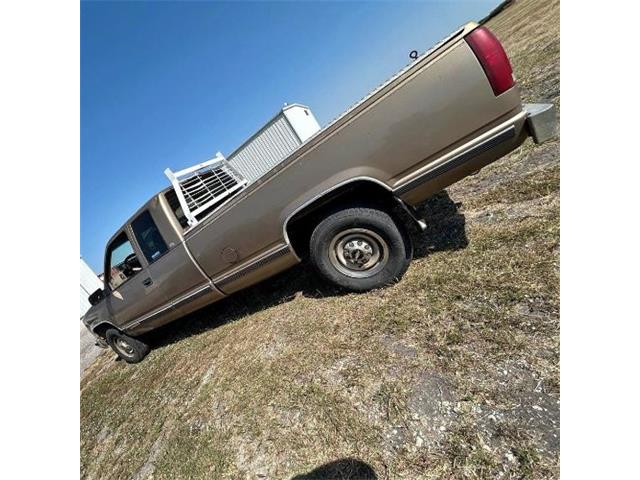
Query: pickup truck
[333, 202]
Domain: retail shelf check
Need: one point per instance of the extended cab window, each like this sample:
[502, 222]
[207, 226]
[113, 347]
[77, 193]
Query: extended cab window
[123, 262]
[174, 203]
[151, 242]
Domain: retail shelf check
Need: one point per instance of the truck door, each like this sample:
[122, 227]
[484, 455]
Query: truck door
[170, 275]
[124, 278]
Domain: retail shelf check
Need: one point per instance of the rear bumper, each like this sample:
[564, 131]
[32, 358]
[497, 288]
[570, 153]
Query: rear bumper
[541, 121]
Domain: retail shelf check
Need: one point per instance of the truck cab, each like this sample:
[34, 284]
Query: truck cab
[148, 274]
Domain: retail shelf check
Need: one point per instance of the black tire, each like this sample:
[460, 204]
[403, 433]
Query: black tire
[346, 238]
[129, 349]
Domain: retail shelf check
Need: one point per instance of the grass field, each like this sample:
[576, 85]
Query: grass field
[452, 373]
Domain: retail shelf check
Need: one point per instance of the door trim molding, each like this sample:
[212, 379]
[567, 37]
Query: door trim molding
[179, 301]
[254, 264]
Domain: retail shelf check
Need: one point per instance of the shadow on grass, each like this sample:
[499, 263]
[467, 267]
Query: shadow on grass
[445, 232]
[445, 226]
[343, 469]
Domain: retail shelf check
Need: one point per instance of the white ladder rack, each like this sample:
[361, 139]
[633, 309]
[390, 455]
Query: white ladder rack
[205, 185]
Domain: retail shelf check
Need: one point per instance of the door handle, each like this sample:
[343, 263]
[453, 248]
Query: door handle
[147, 282]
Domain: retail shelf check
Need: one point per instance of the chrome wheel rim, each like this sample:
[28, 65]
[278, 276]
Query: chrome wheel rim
[358, 252]
[124, 347]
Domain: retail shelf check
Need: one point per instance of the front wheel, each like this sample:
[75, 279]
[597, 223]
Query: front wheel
[129, 349]
[360, 249]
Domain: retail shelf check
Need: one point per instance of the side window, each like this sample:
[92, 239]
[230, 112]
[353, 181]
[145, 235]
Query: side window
[151, 242]
[123, 262]
[172, 199]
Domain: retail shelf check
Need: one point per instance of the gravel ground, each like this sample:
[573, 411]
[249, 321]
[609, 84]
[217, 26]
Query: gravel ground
[88, 350]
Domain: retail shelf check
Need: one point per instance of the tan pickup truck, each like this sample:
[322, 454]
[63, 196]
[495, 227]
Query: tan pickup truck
[332, 201]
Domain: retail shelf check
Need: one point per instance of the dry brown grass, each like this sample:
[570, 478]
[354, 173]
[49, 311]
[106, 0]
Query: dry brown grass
[453, 373]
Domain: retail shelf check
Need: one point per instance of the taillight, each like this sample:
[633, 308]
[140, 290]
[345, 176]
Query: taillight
[493, 59]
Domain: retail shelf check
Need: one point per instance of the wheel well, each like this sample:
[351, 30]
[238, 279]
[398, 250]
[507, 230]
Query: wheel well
[359, 193]
[101, 329]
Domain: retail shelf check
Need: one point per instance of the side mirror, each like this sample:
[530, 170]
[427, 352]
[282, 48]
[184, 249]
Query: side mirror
[96, 297]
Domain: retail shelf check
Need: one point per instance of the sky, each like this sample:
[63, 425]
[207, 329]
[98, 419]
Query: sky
[168, 84]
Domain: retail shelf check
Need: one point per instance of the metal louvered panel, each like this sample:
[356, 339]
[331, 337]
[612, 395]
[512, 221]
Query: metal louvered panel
[205, 186]
[274, 142]
[266, 149]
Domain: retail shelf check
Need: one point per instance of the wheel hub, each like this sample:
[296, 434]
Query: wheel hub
[124, 347]
[358, 252]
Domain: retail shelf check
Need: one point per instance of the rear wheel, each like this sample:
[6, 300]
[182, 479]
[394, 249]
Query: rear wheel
[360, 249]
[129, 349]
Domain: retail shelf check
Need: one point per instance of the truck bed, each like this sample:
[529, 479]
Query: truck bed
[342, 120]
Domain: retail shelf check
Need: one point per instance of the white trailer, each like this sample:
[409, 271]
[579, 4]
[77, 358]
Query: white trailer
[89, 283]
[284, 133]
